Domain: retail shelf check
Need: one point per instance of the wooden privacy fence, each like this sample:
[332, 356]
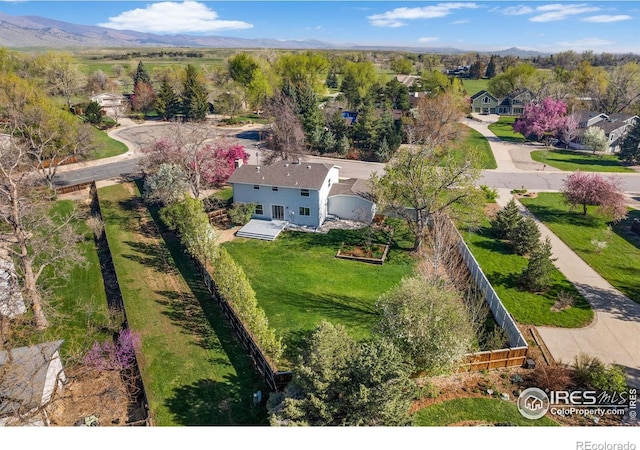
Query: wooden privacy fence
[73, 187]
[494, 359]
[275, 380]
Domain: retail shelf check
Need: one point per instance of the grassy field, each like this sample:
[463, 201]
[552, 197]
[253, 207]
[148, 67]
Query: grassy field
[475, 140]
[503, 128]
[618, 263]
[474, 86]
[482, 411]
[194, 371]
[502, 268]
[105, 146]
[80, 303]
[571, 161]
[308, 284]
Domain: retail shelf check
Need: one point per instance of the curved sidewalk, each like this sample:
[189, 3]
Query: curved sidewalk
[614, 335]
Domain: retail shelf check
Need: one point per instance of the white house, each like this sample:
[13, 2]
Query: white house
[29, 376]
[615, 127]
[300, 193]
[106, 100]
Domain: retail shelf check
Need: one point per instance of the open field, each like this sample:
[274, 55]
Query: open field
[587, 162]
[299, 282]
[474, 86]
[475, 411]
[618, 263]
[194, 371]
[502, 268]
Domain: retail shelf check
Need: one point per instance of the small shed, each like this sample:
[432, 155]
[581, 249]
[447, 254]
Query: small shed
[29, 377]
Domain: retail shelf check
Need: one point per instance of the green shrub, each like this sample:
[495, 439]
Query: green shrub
[240, 213]
[536, 277]
[490, 194]
[234, 287]
[591, 372]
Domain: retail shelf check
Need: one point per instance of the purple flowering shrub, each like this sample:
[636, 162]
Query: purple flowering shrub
[114, 356]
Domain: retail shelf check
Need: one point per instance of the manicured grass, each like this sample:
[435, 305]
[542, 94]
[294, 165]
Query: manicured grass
[503, 128]
[194, 371]
[476, 140]
[502, 267]
[474, 86]
[571, 161]
[299, 282]
[105, 146]
[618, 263]
[80, 302]
[481, 410]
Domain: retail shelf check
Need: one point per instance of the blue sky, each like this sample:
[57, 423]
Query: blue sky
[537, 25]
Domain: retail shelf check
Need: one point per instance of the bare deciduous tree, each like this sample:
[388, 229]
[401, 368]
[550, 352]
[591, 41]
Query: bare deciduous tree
[286, 138]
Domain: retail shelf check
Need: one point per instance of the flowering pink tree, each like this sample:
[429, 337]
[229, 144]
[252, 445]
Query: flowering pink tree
[116, 355]
[206, 160]
[543, 120]
[592, 189]
[568, 130]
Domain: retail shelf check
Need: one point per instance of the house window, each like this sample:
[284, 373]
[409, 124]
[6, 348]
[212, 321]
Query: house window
[255, 186]
[329, 183]
[304, 192]
[274, 188]
[304, 211]
[486, 100]
[259, 211]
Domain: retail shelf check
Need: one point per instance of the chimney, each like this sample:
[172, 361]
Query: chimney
[257, 168]
[299, 161]
[238, 163]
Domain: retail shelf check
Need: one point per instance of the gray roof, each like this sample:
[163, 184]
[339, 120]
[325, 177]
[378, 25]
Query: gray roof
[483, 92]
[301, 175]
[351, 186]
[22, 381]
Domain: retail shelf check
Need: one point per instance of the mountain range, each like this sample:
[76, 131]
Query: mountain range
[35, 31]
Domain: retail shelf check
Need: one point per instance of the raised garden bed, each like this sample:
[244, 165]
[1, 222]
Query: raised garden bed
[373, 254]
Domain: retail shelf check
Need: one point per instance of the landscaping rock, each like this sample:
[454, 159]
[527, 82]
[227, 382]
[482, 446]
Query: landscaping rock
[504, 396]
[489, 391]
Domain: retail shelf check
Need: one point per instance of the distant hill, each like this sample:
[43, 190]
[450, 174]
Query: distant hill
[35, 31]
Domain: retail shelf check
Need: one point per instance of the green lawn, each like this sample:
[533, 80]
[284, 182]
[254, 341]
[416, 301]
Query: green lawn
[618, 263]
[194, 371]
[482, 410]
[105, 146]
[476, 140]
[502, 268]
[80, 303]
[503, 128]
[571, 161]
[299, 282]
[474, 86]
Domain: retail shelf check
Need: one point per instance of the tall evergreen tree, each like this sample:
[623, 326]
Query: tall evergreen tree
[194, 95]
[167, 102]
[507, 220]
[630, 149]
[491, 68]
[141, 75]
[536, 277]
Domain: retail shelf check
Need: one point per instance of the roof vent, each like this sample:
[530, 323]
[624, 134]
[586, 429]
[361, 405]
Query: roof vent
[288, 174]
[257, 168]
[299, 161]
[286, 164]
[296, 183]
[308, 167]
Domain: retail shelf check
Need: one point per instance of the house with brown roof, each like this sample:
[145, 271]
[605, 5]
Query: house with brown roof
[301, 193]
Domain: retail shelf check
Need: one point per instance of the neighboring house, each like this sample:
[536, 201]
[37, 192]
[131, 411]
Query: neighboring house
[110, 103]
[484, 102]
[350, 117]
[615, 127]
[414, 98]
[29, 376]
[407, 80]
[300, 193]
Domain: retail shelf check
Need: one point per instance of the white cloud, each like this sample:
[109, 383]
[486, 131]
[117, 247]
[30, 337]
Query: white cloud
[586, 43]
[606, 18]
[173, 17]
[561, 11]
[395, 17]
[517, 10]
[428, 39]
[460, 22]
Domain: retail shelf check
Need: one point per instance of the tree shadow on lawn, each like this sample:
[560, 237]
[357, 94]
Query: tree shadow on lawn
[151, 255]
[491, 242]
[623, 228]
[586, 159]
[572, 217]
[211, 402]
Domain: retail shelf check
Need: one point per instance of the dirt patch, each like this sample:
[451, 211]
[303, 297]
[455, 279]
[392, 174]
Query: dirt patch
[87, 393]
[226, 234]
[491, 210]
